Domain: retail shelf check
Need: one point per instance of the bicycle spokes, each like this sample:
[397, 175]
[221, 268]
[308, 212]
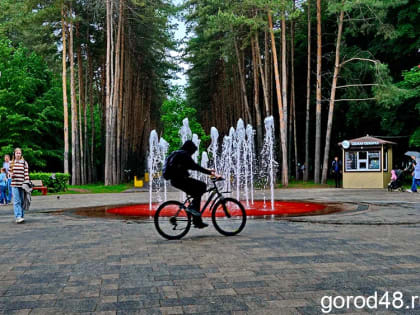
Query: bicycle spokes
[229, 216]
[171, 220]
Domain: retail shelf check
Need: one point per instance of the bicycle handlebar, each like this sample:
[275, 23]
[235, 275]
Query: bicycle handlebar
[217, 179]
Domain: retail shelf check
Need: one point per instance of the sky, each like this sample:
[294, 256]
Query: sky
[179, 34]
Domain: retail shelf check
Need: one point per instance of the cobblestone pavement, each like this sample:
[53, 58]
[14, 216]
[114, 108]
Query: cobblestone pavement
[58, 263]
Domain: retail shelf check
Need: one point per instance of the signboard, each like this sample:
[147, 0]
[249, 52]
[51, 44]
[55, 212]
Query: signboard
[345, 144]
[365, 143]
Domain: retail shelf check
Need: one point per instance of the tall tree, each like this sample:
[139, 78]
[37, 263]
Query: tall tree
[82, 104]
[64, 80]
[292, 91]
[308, 93]
[283, 125]
[332, 96]
[318, 93]
[75, 156]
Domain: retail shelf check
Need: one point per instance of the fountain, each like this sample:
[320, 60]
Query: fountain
[196, 141]
[268, 164]
[226, 168]
[185, 131]
[204, 164]
[163, 146]
[214, 147]
[236, 160]
[250, 157]
[153, 163]
[240, 160]
[237, 163]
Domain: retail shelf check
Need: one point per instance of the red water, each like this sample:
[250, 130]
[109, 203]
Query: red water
[259, 208]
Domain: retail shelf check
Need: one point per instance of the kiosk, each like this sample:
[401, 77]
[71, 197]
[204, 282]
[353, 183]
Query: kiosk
[367, 162]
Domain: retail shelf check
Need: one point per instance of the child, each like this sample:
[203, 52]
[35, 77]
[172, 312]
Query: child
[3, 186]
[393, 176]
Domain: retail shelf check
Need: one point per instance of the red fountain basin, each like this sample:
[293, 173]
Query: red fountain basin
[258, 208]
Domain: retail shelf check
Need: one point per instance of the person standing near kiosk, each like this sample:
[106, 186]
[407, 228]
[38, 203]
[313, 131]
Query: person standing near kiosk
[336, 170]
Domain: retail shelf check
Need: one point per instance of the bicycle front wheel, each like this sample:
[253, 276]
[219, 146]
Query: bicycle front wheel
[229, 216]
[172, 221]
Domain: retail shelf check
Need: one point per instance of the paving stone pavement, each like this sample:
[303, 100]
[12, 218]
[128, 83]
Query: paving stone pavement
[57, 263]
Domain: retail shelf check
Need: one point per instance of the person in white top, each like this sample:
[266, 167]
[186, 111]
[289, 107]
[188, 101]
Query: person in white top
[19, 171]
[416, 174]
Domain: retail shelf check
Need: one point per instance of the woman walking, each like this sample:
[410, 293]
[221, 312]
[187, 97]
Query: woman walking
[19, 173]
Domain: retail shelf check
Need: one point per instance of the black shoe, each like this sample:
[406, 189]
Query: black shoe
[200, 225]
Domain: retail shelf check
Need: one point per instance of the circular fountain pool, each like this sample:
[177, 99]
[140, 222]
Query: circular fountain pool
[257, 209]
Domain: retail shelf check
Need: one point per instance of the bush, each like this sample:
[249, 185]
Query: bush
[59, 183]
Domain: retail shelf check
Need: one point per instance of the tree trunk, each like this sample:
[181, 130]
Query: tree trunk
[284, 67]
[292, 92]
[108, 98]
[268, 77]
[255, 62]
[92, 120]
[85, 119]
[81, 106]
[263, 77]
[116, 105]
[308, 96]
[120, 94]
[75, 172]
[332, 98]
[318, 94]
[65, 102]
[283, 126]
[242, 82]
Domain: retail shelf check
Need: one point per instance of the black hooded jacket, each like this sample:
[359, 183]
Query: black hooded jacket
[181, 161]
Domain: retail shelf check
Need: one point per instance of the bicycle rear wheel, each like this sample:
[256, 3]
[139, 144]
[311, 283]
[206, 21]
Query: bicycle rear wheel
[172, 221]
[229, 216]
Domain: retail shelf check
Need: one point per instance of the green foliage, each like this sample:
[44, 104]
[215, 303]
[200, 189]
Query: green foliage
[402, 100]
[173, 111]
[415, 138]
[30, 107]
[54, 185]
[97, 189]
[33, 23]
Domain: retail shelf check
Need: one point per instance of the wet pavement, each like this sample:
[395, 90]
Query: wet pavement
[59, 263]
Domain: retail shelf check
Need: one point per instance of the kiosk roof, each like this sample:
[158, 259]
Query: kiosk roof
[368, 140]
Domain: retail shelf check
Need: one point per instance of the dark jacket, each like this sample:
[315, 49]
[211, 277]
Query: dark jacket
[336, 165]
[182, 161]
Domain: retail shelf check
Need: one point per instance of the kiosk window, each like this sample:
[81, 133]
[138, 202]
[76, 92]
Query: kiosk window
[386, 161]
[351, 160]
[362, 161]
[374, 160]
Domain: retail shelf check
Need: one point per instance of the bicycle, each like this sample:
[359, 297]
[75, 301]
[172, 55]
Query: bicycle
[228, 215]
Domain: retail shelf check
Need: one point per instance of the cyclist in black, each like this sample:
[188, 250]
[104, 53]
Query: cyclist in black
[176, 169]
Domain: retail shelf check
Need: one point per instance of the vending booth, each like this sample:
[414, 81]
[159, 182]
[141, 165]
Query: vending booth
[367, 162]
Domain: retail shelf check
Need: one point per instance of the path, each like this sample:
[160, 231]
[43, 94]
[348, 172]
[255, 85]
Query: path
[56, 263]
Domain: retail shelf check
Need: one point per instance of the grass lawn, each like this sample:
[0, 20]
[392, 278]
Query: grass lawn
[91, 189]
[309, 184]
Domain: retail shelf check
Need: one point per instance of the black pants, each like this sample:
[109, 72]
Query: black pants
[337, 176]
[192, 187]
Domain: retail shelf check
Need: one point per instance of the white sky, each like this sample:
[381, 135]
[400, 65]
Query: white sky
[180, 34]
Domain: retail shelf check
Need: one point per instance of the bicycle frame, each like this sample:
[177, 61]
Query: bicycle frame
[215, 193]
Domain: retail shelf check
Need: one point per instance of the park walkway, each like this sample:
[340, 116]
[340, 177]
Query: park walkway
[59, 263]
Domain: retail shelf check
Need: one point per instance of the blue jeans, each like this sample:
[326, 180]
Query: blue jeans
[416, 183]
[3, 199]
[9, 190]
[17, 202]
